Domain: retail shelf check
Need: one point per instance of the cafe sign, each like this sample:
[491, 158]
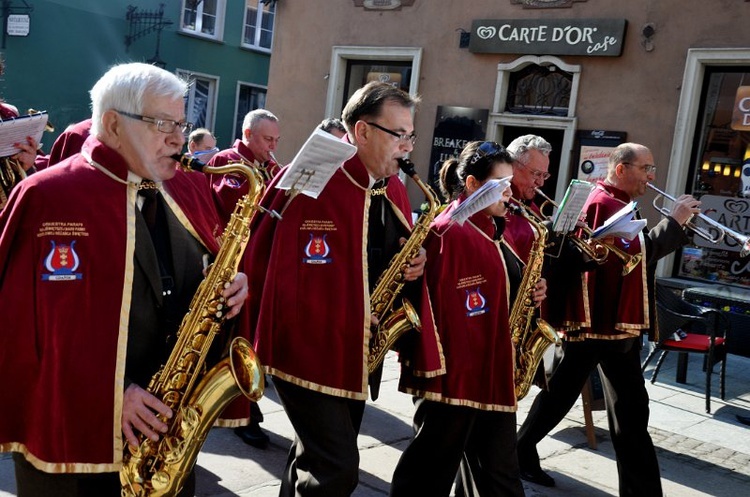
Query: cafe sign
[592, 37]
[741, 111]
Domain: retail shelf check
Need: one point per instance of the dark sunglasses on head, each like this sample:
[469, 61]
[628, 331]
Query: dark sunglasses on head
[486, 149]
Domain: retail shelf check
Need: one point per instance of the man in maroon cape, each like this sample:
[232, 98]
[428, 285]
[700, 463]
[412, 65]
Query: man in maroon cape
[622, 309]
[260, 136]
[312, 274]
[94, 294]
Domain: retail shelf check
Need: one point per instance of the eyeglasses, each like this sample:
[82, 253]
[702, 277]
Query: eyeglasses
[647, 168]
[542, 175]
[402, 138]
[484, 150]
[163, 125]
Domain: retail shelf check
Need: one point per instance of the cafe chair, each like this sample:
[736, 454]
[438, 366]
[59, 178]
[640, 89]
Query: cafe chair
[690, 329]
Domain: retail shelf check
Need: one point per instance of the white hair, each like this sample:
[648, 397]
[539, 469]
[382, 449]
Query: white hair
[124, 86]
[523, 144]
[253, 117]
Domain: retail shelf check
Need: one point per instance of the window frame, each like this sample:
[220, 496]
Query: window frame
[240, 84]
[259, 15]
[211, 100]
[342, 54]
[218, 35]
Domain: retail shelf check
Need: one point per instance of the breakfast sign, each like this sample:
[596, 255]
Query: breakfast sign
[592, 37]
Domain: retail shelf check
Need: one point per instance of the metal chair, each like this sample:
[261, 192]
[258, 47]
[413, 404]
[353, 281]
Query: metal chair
[689, 329]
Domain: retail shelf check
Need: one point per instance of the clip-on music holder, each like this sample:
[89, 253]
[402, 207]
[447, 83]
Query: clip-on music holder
[294, 190]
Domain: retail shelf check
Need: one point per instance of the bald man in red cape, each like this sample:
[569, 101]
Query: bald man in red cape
[622, 309]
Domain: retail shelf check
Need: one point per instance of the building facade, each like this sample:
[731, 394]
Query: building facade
[55, 50]
[585, 74]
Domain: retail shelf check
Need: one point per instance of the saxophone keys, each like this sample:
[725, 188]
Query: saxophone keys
[160, 480]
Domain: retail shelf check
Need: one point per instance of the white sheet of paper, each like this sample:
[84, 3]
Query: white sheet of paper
[571, 206]
[312, 167]
[621, 224]
[486, 195]
[16, 130]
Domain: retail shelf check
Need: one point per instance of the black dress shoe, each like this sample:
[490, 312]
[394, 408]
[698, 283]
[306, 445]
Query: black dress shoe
[253, 435]
[745, 420]
[538, 476]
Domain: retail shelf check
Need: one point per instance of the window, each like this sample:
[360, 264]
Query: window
[259, 19]
[719, 176]
[539, 90]
[352, 67]
[361, 72]
[203, 17]
[249, 97]
[200, 102]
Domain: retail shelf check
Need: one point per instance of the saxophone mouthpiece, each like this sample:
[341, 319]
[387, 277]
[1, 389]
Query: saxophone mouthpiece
[406, 166]
[188, 162]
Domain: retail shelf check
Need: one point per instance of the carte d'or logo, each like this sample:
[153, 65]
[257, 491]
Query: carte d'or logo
[486, 32]
[736, 206]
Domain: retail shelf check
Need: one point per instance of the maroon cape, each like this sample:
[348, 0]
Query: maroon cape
[309, 298]
[619, 304]
[466, 277]
[229, 188]
[67, 241]
[68, 143]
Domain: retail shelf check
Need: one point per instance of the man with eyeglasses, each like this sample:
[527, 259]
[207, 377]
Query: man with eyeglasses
[312, 274]
[621, 311]
[93, 293]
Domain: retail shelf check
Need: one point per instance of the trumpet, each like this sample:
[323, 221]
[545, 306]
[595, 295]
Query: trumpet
[600, 251]
[722, 231]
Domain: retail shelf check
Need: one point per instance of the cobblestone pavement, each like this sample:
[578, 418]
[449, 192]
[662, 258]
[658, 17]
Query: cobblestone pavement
[699, 454]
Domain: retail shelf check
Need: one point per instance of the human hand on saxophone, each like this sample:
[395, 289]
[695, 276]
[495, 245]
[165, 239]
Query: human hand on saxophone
[236, 294]
[143, 412]
[139, 414]
[540, 292]
[416, 265]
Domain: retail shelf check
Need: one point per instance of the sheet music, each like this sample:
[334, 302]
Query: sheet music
[571, 207]
[312, 167]
[621, 224]
[17, 129]
[486, 195]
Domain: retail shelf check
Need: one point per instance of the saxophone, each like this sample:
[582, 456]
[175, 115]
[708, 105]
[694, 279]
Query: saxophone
[392, 324]
[529, 343]
[196, 396]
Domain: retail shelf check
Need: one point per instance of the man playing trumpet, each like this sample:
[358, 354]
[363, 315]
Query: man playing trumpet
[621, 307]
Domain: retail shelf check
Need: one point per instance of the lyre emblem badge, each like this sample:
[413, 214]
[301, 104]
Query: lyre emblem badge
[61, 263]
[317, 250]
[476, 304]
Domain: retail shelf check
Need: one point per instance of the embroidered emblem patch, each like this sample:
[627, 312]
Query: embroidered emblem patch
[476, 304]
[232, 181]
[61, 263]
[317, 250]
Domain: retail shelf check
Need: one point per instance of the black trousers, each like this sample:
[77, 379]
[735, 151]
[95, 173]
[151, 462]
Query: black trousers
[324, 457]
[30, 482]
[444, 432]
[627, 409]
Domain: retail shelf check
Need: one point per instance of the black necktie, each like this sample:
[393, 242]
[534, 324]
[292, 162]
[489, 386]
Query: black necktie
[154, 214]
[376, 231]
